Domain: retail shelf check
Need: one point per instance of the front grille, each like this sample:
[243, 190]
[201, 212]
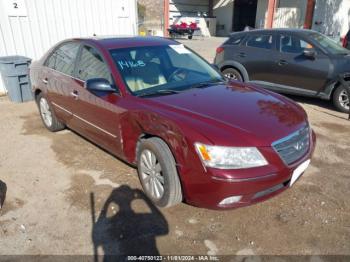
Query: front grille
[294, 146]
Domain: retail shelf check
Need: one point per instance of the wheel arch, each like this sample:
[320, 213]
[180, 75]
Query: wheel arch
[235, 65]
[333, 85]
[37, 92]
[146, 135]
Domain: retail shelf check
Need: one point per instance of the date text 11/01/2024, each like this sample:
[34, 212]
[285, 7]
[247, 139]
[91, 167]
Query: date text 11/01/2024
[173, 258]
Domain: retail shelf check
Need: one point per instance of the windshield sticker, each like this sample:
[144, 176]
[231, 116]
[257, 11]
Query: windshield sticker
[131, 64]
[180, 49]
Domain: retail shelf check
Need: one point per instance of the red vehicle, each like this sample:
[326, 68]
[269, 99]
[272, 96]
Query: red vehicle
[183, 29]
[192, 135]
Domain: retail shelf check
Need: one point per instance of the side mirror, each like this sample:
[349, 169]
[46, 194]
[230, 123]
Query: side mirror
[99, 84]
[310, 53]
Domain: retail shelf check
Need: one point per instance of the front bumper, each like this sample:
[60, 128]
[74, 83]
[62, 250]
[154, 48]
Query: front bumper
[254, 185]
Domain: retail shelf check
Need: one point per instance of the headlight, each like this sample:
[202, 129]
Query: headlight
[230, 157]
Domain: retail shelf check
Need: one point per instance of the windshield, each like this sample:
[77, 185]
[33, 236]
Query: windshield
[330, 45]
[162, 69]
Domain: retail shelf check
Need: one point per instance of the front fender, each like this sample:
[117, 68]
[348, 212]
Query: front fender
[139, 124]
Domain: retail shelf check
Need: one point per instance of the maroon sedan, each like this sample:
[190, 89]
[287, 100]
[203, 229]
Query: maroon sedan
[159, 106]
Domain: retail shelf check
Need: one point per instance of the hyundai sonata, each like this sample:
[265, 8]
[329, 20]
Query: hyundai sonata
[192, 135]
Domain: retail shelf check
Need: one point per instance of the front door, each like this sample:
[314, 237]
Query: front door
[295, 70]
[97, 115]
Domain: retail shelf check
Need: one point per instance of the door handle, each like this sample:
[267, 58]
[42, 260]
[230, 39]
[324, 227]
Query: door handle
[75, 94]
[282, 62]
[242, 54]
[45, 81]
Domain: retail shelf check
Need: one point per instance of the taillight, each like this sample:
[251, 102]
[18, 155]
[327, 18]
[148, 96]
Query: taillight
[219, 50]
[344, 41]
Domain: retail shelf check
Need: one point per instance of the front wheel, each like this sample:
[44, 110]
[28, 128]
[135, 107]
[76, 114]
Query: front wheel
[157, 172]
[341, 99]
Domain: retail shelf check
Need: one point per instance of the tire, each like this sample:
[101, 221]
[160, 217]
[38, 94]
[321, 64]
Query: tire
[190, 37]
[172, 193]
[339, 99]
[54, 125]
[231, 73]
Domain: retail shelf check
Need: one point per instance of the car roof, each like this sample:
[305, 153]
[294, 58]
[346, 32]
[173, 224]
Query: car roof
[115, 42]
[276, 30]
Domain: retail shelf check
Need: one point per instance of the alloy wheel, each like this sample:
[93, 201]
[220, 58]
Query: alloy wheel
[344, 99]
[45, 112]
[231, 76]
[151, 174]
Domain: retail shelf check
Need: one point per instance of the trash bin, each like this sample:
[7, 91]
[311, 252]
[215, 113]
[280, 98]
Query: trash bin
[14, 72]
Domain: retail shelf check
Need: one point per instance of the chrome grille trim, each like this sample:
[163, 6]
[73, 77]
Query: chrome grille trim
[293, 147]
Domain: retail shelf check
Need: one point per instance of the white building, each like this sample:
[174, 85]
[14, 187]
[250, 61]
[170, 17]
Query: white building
[30, 27]
[329, 16]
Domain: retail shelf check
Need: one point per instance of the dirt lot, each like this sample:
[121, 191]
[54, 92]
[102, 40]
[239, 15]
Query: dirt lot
[50, 178]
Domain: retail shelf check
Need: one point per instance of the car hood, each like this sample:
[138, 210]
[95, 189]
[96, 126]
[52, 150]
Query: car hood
[240, 112]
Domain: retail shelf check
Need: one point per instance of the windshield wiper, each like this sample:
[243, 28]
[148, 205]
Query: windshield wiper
[159, 92]
[206, 83]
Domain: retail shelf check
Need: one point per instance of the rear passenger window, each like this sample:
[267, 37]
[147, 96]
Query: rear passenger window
[51, 61]
[235, 40]
[261, 41]
[91, 65]
[63, 58]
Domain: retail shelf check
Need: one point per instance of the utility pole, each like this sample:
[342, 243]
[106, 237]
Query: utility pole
[270, 13]
[309, 16]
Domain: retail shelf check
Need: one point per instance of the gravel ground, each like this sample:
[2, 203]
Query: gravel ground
[52, 177]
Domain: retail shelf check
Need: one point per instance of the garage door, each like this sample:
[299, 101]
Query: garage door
[30, 27]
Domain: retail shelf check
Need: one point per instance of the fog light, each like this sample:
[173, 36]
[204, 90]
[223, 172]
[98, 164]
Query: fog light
[230, 200]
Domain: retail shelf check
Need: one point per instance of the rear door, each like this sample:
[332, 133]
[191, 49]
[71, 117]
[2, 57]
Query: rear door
[233, 48]
[96, 115]
[296, 72]
[258, 56]
[58, 78]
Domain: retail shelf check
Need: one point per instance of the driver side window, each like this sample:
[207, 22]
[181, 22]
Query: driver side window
[293, 45]
[91, 65]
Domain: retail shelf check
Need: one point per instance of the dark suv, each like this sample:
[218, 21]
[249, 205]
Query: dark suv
[291, 61]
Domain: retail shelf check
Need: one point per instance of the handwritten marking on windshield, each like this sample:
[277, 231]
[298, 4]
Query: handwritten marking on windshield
[131, 64]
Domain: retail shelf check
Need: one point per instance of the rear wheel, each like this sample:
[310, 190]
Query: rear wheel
[157, 172]
[48, 115]
[341, 99]
[232, 74]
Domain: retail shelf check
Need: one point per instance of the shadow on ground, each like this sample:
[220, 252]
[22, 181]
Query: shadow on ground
[121, 230]
[324, 106]
[313, 101]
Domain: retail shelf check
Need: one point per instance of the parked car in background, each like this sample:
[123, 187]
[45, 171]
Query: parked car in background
[191, 134]
[290, 61]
